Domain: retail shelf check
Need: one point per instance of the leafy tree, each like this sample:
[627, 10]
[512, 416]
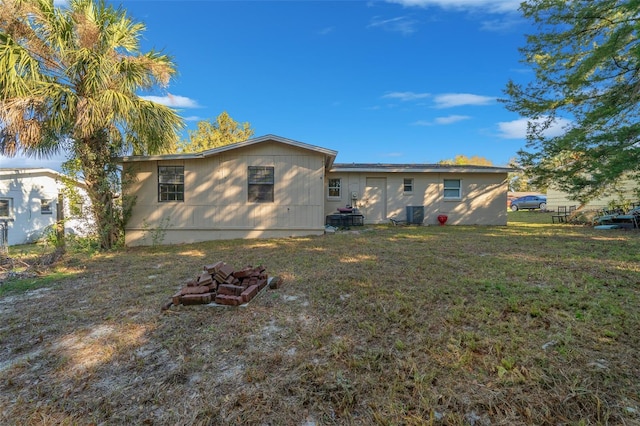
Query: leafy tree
[520, 180]
[464, 160]
[224, 131]
[69, 79]
[586, 59]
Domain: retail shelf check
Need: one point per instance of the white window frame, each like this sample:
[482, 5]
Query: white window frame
[334, 188]
[9, 207]
[171, 184]
[406, 184]
[448, 186]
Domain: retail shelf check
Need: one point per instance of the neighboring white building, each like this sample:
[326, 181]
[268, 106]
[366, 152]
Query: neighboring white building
[29, 204]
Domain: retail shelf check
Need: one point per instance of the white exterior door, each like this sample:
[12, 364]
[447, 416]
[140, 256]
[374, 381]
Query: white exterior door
[374, 200]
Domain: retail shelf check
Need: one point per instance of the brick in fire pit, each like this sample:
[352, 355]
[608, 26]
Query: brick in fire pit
[275, 283]
[225, 299]
[196, 299]
[204, 279]
[196, 290]
[249, 293]
[223, 273]
[230, 289]
[213, 268]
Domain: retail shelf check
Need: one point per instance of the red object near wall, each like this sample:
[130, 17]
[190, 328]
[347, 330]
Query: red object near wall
[442, 219]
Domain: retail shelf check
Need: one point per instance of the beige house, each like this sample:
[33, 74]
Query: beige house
[271, 186]
[627, 192]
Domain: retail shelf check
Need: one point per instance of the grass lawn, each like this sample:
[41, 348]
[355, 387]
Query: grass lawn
[532, 323]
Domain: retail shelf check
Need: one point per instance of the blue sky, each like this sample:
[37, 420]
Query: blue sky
[401, 81]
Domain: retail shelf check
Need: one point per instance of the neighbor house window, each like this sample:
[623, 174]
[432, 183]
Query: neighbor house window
[45, 207]
[334, 188]
[5, 207]
[452, 189]
[76, 209]
[170, 183]
[261, 183]
[408, 185]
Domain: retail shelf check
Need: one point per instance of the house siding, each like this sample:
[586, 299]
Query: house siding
[216, 202]
[483, 200]
[26, 188]
[628, 192]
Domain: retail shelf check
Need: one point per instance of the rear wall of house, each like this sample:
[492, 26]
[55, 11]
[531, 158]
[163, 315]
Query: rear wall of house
[628, 194]
[216, 202]
[380, 196]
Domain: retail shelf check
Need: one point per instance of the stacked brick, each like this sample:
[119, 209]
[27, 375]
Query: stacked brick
[222, 284]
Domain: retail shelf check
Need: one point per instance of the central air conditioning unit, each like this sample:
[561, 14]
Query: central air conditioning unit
[415, 215]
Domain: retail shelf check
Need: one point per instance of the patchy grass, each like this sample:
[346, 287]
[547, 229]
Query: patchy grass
[532, 323]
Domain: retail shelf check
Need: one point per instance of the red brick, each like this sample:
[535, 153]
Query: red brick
[233, 290]
[196, 290]
[224, 272]
[261, 283]
[213, 268]
[196, 299]
[275, 283]
[176, 298]
[205, 280]
[225, 299]
[249, 293]
[243, 273]
[192, 283]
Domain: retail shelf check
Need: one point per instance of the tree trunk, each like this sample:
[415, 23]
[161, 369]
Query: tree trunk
[96, 162]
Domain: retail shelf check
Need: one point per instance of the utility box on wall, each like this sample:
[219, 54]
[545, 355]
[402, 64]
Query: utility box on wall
[415, 214]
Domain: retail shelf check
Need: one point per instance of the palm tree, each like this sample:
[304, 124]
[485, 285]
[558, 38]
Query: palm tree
[69, 81]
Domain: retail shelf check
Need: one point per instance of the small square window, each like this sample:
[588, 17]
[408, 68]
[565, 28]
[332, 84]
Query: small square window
[5, 207]
[408, 185]
[171, 183]
[76, 209]
[452, 189]
[334, 188]
[46, 206]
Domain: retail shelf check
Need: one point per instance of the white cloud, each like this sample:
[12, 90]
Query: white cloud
[401, 24]
[173, 101]
[192, 118]
[406, 96]
[517, 129]
[326, 31]
[500, 25]
[492, 6]
[443, 121]
[449, 100]
[450, 119]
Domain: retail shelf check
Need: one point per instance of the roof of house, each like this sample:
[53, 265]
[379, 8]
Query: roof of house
[329, 162]
[416, 168]
[330, 154]
[12, 173]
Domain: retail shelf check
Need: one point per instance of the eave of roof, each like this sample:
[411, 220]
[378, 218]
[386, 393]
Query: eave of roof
[36, 171]
[416, 168]
[330, 154]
